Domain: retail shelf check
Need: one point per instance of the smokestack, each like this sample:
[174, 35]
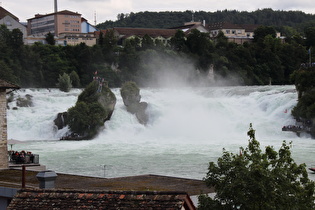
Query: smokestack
[56, 8]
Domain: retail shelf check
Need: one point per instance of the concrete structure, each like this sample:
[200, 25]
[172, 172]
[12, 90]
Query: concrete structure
[164, 35]
[4, 88]
[46, 179]
[238, 33]
[55, 23]
[189, 26]
[11, 21]
[69, 28]
[86, 27]
[76, 38]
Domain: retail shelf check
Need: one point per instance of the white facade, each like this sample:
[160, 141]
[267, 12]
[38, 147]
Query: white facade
[86, 27]
[11, 24]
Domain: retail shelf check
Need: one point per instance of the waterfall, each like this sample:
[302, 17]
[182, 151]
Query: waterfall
[188, 127]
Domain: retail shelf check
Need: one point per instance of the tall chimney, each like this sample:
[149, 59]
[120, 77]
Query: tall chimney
[56, 8]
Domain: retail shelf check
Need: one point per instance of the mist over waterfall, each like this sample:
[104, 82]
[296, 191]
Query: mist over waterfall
[188, 127]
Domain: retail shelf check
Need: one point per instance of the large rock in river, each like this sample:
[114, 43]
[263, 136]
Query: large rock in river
[130, 94]
[94, 106]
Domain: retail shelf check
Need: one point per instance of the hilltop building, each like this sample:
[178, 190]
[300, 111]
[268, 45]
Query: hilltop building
[11, 21]
[69, 28]
[189, 26]
[238, 33]
[55, 23]
[122, 34]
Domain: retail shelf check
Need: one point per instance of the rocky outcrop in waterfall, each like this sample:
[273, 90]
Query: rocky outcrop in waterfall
[27, 101]
[61, 120]
[94, 106]
[130, 94]
[304, 111]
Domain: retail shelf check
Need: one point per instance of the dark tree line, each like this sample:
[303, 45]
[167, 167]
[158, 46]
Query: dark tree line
[287, 22]
[150, 62]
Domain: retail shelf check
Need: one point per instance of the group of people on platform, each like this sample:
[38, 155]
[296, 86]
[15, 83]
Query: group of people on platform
[21, 157]
[101, 82]
[295, 128]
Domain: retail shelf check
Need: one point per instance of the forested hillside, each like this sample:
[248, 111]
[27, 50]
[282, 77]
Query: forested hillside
[279, 19]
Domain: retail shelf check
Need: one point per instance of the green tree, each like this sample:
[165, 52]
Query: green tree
[109, 46]
[310, 36]
[178, 41]
[255, 179]
[199, 44]
[64, 82]
[88, 115]
[16, 39]
[50, 39]
[74, 77]
[262, 31]
[147, 42]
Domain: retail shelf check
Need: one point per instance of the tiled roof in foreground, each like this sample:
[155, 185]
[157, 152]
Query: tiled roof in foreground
[7, 85]
[78, 199]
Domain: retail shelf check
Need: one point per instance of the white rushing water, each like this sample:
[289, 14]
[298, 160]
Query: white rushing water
[188, 128]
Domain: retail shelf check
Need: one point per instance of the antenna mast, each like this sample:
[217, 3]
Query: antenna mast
[94, 18]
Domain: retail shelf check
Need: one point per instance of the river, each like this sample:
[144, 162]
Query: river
[188, 128]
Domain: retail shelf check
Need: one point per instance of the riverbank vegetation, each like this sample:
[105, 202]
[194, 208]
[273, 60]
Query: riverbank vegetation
[257, 179]
[286, 22]
[267, 60]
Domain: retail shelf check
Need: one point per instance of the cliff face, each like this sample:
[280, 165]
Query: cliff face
[94, 106]
[304, 111]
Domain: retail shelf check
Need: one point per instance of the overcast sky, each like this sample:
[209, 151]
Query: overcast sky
[108, 9]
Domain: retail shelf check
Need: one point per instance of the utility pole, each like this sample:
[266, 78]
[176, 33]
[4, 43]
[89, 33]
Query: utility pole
[310, 53]
[94, 18]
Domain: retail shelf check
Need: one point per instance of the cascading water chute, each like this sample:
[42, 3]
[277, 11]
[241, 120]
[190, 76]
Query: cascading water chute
[188, 127]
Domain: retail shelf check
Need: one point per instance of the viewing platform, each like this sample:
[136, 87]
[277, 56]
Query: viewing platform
[19, 159]
[297, 129]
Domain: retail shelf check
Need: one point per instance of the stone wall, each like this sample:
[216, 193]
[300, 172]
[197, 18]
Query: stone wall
[3, 130]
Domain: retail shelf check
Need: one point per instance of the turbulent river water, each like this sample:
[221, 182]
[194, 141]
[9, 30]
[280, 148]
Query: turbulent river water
[188, 128]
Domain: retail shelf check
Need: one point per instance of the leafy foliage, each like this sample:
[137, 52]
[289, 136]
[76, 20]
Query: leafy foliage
[258, 63]
[129, 89]
[255, 179]
[50, 39]
[284, 21]
[74, 77]
[304, 80]
[86, 118]
[88, 115]
[64, 83]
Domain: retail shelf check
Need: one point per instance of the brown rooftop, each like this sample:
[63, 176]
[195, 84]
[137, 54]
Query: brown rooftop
[63, 12]
[12, 178]
[7, 85]
[145, 31]
[4, 12]
[228, 25]
[77, 199]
